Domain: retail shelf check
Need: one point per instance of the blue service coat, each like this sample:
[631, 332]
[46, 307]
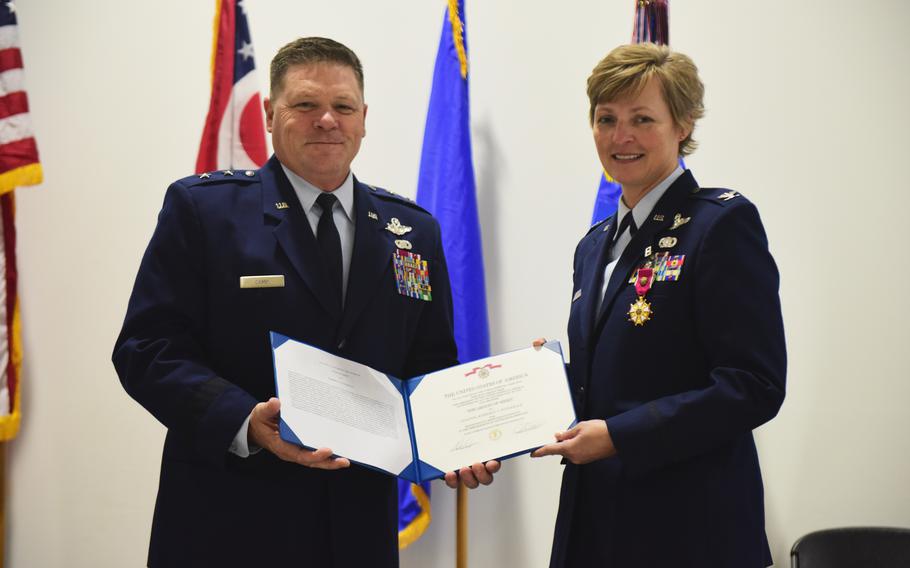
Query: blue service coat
[194, 351]
[680, 393]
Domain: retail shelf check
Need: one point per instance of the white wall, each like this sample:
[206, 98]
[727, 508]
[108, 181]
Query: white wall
[807, 115]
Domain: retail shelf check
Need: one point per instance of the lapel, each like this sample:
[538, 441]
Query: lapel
[294, 234]
[371, 258]
[658, 220]
[592, 281]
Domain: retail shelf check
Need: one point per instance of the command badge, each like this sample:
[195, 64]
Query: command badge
[412, 276]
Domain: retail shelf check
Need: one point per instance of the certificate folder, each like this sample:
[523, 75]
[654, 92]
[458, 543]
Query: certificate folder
[419, 428]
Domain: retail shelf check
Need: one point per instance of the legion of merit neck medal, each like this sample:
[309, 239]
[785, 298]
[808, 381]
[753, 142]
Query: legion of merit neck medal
[640, 311]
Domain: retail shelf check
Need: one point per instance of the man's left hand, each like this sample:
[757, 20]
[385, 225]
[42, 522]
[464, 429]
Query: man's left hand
[472, 477]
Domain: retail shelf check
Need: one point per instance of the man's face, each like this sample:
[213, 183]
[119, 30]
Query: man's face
[317, 121]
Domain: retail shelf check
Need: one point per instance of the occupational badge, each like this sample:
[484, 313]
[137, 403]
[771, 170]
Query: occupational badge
[403, 244]
[679, 221]
[412, 275]
[667, 242]
[640, 310]
[396, 228]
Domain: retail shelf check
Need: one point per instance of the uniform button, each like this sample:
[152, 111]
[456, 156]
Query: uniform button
[581, 390]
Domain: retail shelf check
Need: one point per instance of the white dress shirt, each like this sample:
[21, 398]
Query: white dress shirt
[640, 214]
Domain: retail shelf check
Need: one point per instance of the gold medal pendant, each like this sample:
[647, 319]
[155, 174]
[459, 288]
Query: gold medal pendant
[640, 311]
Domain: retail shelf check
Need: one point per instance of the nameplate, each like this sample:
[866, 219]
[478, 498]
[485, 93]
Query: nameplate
[265, 281]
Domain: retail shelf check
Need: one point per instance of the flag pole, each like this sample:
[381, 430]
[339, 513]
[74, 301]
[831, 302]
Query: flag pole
[461, 527]
[2, 503]
[447, 189]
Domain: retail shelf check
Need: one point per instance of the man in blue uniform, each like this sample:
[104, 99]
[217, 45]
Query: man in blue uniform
[303, 248]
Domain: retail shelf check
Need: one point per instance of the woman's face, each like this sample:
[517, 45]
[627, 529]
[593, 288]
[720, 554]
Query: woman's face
[637, 141]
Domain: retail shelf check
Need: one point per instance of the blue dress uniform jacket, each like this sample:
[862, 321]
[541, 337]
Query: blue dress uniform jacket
[680, 393]
[195, 352]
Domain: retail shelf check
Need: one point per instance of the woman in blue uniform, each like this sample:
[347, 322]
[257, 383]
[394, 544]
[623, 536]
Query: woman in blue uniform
[676, 341]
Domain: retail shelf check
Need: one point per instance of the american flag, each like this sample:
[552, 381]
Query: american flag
[234, 134]
[18, 166]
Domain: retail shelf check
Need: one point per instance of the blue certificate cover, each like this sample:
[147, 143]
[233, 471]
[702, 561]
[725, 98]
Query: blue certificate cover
[419, 428]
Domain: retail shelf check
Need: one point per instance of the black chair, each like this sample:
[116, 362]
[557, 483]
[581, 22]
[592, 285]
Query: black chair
[854, 547]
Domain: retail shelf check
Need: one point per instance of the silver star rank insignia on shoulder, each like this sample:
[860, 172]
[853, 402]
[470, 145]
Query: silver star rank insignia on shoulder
[396, 228]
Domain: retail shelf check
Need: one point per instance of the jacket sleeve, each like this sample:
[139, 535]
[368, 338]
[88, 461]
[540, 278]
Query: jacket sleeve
[160, 354]
[739, 330]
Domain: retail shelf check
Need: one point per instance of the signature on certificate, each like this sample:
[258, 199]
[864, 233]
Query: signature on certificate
[528, 426]
[463, 444]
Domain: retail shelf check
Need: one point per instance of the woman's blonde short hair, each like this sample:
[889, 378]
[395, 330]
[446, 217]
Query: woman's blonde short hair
[627, 69]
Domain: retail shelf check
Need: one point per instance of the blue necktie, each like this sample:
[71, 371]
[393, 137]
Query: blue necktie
[330, 243]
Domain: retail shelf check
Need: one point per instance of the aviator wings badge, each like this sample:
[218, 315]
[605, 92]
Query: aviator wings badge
[395, 227]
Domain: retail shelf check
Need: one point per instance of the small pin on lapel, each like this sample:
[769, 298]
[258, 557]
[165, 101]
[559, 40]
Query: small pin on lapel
[372, 215]
[659, 218]
[396, 228]
[679, 221]
[281, 205]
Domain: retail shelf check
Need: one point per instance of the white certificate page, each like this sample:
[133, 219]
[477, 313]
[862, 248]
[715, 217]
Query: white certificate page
[330, 402]
[491, 408]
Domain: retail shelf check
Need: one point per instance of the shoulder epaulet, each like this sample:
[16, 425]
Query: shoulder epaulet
[220, 176]
[392, 196]
[718, 195]
[597, 225]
